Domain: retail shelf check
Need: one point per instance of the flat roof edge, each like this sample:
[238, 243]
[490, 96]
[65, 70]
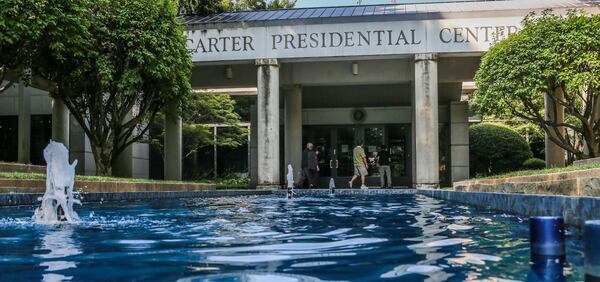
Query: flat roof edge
[388, 18]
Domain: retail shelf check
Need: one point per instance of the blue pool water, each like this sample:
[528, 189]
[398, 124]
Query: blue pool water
[268, 238]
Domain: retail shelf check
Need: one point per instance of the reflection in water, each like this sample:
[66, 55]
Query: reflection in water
[58, 244]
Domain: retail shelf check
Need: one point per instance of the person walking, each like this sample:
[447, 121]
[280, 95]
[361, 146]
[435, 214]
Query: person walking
[383, 163]
[360, 165]
[310, 166]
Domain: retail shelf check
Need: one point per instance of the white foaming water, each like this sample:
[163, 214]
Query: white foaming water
[290, 182]
[411, 269]
[441, 243]
[312, 247]
[290, 177]
[459, 227]
[473, 258]
[58, 200]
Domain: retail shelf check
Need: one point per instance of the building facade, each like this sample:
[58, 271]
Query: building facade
[384, 74]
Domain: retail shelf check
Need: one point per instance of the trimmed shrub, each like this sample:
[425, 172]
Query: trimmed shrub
[496, 148]
[534, 163]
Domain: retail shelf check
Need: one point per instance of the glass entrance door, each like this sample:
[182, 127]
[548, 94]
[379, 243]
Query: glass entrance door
[344, 143]
[400, 148]
[336, 143]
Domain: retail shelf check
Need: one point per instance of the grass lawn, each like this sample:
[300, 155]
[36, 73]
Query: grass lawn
[42, 176]
[220, 183]
[539, 171]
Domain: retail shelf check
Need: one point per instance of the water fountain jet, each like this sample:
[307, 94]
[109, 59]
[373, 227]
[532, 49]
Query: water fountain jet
[331, 186]
[58, 200]
[290, 182]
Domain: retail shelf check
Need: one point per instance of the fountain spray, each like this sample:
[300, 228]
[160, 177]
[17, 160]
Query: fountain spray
[290, 182]
[331, 186]
[58, 200]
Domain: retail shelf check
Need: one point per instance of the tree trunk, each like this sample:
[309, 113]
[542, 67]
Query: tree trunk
[103, 160]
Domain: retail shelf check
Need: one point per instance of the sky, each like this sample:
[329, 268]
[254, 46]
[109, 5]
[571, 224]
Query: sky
[329, 3]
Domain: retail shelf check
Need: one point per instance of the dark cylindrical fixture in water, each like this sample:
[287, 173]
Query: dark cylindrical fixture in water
[548, 254]
[592, 250]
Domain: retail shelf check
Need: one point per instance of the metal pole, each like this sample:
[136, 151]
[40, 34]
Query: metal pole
[249, 153]
[215, 151]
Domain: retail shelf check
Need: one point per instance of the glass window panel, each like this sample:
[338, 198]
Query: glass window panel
[318, 13]
[327, 12]
[358, 11]
[345, 143]
[398, 148]
[41, 132]
[337, 12]
[369, 11]
[296, 13]
[348, 11]
[9, 138]
[373, 141]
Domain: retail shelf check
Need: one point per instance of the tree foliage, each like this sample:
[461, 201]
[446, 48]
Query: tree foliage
[206, 7]
[554, 55]
[201, 110]
[496, 148]
[208, 108]
[128, 61]
[247, 5]
[202, 7]
[534, 135]
[534, 163]
[23, 24]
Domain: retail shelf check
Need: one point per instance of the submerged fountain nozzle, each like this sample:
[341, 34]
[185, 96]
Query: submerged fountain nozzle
[592, 251]
[548, 255]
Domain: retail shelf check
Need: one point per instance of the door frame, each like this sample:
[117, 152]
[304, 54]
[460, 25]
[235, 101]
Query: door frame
[359, 133]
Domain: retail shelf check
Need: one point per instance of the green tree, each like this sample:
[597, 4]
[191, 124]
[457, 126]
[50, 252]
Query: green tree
[129, 61]
[553, 54]
[496, 148]
[206, 7]
[22, 26]
[201, 110]
[534, 135]
[203, 7]
[208, 108]
[246, 5]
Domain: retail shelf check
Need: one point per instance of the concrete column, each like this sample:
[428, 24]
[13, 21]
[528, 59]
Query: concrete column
[24, 127]
[123, 166]
[60, 122]
[253, 144]
[426, 137]
[80, 149]
[172, 149]
[555, 155]
[268, 122]
[133, 162]
[293, 127]
[459, 141]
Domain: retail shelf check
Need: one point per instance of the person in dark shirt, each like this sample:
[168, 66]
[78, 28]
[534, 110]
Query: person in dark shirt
[383, 162]
[310, 166]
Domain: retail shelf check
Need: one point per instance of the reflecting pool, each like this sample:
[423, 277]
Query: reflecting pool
[268, 238]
